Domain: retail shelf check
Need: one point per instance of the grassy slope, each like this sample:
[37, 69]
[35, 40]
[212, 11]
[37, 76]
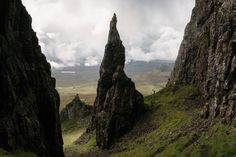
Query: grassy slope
[171, 127]
[72, 130]
[17, 153]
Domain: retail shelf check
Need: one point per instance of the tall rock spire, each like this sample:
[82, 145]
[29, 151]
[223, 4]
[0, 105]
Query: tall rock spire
[113, 33]
[118, 103]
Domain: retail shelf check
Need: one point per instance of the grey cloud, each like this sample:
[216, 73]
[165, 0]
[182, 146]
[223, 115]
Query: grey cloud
[73, 32]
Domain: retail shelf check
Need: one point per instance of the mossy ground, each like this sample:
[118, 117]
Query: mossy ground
[18, 153]
[171, 127]
[72, 130]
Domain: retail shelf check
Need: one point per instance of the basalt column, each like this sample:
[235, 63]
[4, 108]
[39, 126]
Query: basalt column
[118, 104]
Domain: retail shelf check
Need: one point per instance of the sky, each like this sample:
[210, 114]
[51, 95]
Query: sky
[75, 32]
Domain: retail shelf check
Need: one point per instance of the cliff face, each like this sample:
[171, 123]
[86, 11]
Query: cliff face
[29, 103]
[118, 103]
[207, 56]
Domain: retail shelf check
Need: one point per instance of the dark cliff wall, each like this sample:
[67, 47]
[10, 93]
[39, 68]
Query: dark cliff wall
[29, 103]
[207, 56]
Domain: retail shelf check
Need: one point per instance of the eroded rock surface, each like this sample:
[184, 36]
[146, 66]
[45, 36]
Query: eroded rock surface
[118, 103]
[75, 109]
[29, 103]
[207, 56]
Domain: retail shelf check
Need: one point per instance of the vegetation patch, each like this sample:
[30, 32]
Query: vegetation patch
[72, 131]
[171, 127]
[17, 153]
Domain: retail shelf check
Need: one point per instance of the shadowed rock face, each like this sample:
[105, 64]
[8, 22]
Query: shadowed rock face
[118, 103]
[29, 103]
[207, 56]
[76, 109]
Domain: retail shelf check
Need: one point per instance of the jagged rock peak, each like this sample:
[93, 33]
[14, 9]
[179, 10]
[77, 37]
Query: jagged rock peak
[76, 109]
[118, 104]
[113, 33]
[207, 57]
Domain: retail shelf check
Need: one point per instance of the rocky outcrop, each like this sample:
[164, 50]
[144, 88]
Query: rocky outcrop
[29, 103]
[118, 103]
[75, 109]
[207, 57]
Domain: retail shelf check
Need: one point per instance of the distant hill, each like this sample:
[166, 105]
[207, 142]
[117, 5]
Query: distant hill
[77, 75]
[82, 80]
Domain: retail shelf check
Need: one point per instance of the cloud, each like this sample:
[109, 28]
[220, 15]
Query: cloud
[74, 32]
[162, 47]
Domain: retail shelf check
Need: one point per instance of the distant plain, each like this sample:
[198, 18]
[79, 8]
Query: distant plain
[149, 77]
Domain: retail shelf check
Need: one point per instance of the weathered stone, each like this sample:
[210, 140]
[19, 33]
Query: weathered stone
[75, 109]
[207, 56]
[118, 103]
[29, 103]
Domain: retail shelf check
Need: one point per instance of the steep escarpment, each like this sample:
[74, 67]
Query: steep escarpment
[29, 103]
[207, 57]
[118, 103]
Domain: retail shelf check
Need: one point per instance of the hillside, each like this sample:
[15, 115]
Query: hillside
[140, 109]
[194, 115]
[171, 127]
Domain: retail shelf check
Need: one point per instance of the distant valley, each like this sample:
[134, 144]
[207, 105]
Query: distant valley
[149, 77]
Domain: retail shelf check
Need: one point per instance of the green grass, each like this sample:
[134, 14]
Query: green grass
[170, 120]
[70, 137]
[171, 127]
[172, 96]
[221, 139]
[17, 153]
[72, 149]
[75, 124]
[92, 142]
[72, 131]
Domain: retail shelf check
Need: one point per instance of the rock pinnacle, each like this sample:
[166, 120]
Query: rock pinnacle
[113, 33]
[118, 103]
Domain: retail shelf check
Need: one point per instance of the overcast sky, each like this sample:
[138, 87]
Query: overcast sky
[75, 31]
